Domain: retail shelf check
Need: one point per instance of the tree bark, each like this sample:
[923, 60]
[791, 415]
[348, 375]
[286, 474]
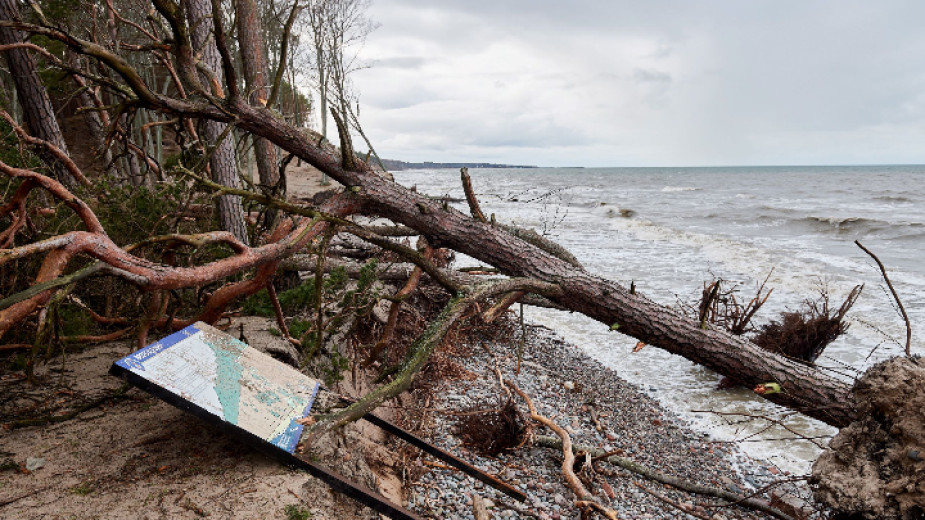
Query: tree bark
[38, 112]
[316, 14]
[222, 160]
[803, 387]
[254, 63]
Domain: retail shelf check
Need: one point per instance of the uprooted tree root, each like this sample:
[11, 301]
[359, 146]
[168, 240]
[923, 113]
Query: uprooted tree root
[806, 333]
[494, 430]
[874, 467]
[803, 334]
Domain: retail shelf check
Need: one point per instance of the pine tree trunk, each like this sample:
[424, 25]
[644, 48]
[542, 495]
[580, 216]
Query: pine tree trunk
[38, 112]
[254, 63]
[804, 388]
[222, 161]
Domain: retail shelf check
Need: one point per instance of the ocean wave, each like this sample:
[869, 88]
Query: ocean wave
[845, 223]
[675, 189]
[745, 257]
[893, 198]
[859, 224]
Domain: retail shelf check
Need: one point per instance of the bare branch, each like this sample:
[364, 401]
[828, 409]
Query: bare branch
[470, 196]
[895, 297]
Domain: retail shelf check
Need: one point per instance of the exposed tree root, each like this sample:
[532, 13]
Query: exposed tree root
[584, 499]
[651, 474]
[899, 303]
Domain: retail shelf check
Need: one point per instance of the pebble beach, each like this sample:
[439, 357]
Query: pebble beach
[574, 390]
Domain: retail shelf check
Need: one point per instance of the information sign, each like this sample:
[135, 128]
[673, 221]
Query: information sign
[226, 378]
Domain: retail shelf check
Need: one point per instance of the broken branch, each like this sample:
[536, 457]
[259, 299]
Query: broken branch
[584, 499]
[899, 303]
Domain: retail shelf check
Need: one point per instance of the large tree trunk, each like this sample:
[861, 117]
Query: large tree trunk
[254, 63]
[222, 163]
[804, 388]
[316, 15]
[38, 112]
[95, 124]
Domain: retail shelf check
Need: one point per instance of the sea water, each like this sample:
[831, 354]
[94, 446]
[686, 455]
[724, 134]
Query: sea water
[668, 230]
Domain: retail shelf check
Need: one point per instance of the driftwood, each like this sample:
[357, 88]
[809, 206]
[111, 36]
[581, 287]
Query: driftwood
[584, 499]
[657, 476]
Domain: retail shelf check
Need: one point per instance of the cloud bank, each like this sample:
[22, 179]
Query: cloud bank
[594, 83]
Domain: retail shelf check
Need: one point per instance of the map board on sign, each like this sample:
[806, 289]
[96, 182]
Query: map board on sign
[239, 389]
[202, 368]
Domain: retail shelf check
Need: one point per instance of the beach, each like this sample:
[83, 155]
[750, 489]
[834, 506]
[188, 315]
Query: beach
[136, 457]
[669, 230]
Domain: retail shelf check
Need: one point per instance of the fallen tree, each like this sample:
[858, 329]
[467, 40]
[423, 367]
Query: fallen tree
[803, 387]
[531, 264]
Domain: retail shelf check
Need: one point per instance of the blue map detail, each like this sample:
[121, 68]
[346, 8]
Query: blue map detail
[135, 361]
[228, 383]
[289, 439]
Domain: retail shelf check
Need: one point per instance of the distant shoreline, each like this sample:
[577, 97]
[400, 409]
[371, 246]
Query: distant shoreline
[393, 165]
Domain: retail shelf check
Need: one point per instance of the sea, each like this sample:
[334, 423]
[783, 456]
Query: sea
[670, 230]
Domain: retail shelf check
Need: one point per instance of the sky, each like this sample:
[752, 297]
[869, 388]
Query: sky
[653, 83]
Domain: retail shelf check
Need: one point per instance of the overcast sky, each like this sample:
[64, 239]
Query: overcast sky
[646, 83]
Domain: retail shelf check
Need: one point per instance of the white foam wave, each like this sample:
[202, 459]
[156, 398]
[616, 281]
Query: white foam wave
[746, 259]
[675, 189]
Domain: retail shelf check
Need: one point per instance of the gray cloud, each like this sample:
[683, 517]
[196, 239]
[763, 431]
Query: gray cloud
[632, 83]
[400, 62]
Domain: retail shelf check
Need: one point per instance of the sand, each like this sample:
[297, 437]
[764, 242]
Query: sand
[138, 457]
[304, 181]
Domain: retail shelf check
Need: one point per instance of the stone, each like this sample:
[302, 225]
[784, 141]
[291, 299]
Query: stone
[34, 463]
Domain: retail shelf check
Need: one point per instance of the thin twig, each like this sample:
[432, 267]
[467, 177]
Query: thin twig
[278, 311]
[895, 296]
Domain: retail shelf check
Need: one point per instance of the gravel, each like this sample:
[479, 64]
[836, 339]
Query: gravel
[565, 384]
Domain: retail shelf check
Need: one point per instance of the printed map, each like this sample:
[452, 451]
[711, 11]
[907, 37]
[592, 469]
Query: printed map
[229, 379]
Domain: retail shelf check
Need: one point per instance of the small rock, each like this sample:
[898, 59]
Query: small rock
[34, 463]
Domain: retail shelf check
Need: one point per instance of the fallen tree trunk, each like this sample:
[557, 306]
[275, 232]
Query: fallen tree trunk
[803, 387]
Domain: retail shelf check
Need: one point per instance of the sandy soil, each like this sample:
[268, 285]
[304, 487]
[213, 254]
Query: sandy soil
[304, 181]
[138, 457]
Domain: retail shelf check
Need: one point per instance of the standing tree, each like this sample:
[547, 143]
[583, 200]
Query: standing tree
[216, 135]
[317, 14]
[347, 28]
[256, 81]
[37, 110]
